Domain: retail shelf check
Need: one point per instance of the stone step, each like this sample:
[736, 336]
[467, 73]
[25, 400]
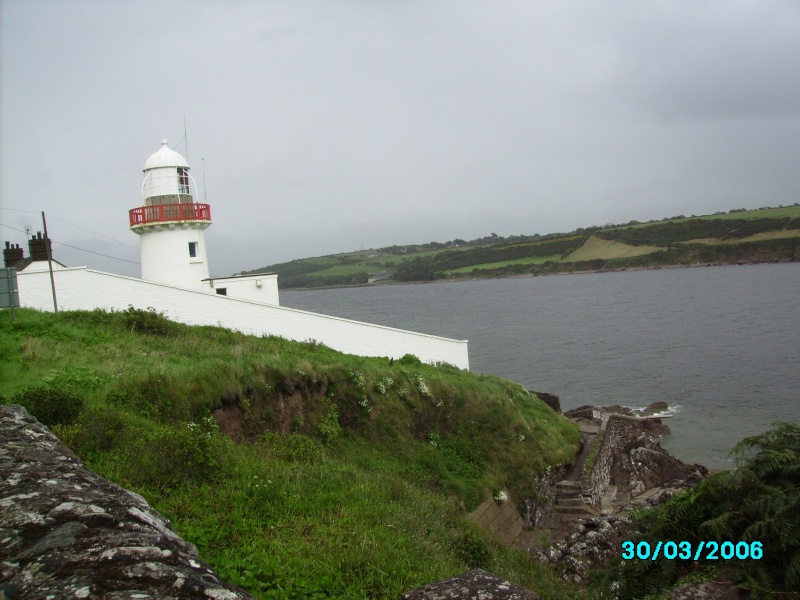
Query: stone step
[566, 484]
[584, 510]
[568, 489]
[568, 502]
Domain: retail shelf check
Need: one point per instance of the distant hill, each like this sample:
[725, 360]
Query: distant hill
[766, 234]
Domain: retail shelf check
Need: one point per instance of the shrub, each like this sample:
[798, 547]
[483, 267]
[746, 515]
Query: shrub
[99, 430]
[292, 446]
[473, 550]
[148, 321]
[79, 378]
[190, 452]
[329, 428]
[96, 430]
[410, 360]
[759, 502]
[51, 406]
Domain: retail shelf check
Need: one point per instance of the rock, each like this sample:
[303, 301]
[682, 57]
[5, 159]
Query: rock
[582, 412]
[551, 400]
[655, 408]
[596, 543]
[708, 590]
[630, 471]
[69, 533]
[472, 584]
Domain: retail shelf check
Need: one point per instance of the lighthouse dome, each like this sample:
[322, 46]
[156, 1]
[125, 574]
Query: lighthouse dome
[165, 157]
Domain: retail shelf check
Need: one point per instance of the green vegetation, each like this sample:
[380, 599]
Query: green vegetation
[633, 244]
[529, 260]
[433, 267]
[671, 232]
[299, 472]
[599, 248]
[768, 212]
[758, 504]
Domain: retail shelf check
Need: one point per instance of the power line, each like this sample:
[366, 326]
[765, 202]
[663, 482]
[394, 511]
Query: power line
[135, 262]
[76, 248]
[92, 231]
[14, 228]
[35, 212]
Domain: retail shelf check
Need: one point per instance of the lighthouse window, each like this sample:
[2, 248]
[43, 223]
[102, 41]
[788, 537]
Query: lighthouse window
[192, 249]
[183, 180]
[222, 291]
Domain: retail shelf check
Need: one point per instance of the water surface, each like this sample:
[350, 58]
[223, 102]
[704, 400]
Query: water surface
[721, 343]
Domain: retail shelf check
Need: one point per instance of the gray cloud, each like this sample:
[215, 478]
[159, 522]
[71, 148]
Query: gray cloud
[324, 126]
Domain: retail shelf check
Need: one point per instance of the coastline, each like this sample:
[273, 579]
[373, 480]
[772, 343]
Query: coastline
[387, 282]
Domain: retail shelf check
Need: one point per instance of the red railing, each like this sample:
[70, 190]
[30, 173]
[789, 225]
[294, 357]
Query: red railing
[164, 213]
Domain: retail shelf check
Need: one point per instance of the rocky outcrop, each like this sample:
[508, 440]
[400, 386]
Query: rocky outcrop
[472, 584]
[551, 400]
[624, 469]
[594, 542]
[66, 532]
[628, 459]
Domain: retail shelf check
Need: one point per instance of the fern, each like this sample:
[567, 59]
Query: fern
[760, 501]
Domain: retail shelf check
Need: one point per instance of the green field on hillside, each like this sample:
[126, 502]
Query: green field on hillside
[530, 260]
[761, 213]
[298, 471]
[592, 248]
[598, 248]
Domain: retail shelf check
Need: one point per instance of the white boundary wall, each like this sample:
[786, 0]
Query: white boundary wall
[81, 288]
[262, 288]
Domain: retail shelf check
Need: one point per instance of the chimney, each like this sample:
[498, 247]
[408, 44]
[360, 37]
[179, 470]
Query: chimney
[12, 254]
[38, 247]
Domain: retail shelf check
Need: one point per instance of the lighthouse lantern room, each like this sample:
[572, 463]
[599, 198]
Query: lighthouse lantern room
[170, 224]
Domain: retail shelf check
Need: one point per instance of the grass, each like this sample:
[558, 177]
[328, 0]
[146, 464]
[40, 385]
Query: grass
[766, 235]
[595, 248]
[761, 213]
[348, 270]
[528, 260]
[348, 477]
[501, 256]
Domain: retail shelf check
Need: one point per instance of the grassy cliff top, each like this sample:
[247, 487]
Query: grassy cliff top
[339, 475]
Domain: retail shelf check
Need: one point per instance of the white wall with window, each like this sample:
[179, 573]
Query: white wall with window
[258, 288]
[175, 255]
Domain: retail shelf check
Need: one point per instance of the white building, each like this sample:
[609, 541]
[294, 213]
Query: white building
[175, 280]
[171, 225]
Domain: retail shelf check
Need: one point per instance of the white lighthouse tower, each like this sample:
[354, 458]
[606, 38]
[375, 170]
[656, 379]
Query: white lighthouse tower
[170, 223]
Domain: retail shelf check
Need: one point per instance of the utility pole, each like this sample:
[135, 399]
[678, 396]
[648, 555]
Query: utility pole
[50, 262]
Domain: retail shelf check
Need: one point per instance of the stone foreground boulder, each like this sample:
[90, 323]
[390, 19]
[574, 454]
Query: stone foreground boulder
[477, 584]
[66, 532]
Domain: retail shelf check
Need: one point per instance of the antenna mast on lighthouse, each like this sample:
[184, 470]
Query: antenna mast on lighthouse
[186, 137]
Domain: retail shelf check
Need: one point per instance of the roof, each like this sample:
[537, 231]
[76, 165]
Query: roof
[26, 262]
[165, 157]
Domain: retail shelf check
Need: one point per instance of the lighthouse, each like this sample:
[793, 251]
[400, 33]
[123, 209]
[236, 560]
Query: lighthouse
[170, 224]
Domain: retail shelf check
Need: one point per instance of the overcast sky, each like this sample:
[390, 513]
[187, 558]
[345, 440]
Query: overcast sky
[322, 127]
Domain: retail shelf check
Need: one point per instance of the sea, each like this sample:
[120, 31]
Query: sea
[721, 345]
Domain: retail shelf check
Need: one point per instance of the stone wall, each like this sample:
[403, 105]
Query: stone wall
[502, 520]
[616, 433]
[66, 532]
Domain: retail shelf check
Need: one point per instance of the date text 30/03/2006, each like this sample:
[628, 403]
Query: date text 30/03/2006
[702, 550]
